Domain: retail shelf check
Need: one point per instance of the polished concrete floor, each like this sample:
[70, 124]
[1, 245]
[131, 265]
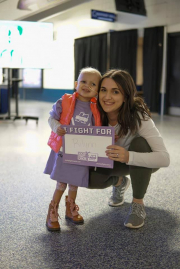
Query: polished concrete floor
[103, 241]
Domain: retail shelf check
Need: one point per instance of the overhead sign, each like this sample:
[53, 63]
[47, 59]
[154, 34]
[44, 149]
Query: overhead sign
[104, 16]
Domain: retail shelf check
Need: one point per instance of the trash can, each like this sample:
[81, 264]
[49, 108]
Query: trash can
[3, 99]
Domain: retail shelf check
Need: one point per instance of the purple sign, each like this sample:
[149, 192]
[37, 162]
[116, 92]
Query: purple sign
[87, 145]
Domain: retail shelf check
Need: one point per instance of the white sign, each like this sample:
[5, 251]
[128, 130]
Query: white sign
[87, 145]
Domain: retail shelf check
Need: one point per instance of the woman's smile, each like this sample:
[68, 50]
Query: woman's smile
[109, 103]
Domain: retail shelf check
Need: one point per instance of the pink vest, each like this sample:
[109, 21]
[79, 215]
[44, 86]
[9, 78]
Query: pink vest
[68, 105]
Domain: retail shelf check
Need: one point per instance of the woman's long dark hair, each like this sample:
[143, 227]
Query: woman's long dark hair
[133, 107]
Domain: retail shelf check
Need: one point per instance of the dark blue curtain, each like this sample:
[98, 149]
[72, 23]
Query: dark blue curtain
[91, 51]
[123, 51]
[152, 66]
[173, 71]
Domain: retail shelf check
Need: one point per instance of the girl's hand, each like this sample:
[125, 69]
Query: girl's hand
[60, 131]
[117, 153]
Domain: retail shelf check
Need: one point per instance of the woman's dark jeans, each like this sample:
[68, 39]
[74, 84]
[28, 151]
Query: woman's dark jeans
[140, 176]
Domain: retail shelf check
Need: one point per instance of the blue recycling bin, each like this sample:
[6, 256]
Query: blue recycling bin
[3, 100]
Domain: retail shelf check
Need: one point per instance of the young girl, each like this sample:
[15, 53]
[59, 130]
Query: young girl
[66, 111]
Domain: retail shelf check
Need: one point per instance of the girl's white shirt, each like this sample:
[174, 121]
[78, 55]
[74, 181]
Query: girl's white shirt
[54, 124]
[159, 157]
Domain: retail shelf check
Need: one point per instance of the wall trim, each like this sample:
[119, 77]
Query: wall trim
[174, 111]
[46, 95]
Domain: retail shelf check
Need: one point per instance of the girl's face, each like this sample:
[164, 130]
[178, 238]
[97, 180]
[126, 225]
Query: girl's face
[110, 96]
[87, 86]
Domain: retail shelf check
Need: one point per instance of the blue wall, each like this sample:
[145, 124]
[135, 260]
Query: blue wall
[3, 101]
[47, 95]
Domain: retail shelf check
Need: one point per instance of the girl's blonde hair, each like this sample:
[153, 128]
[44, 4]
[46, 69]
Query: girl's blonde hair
[91, 70]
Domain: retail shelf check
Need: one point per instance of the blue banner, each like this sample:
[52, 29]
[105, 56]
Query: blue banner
[101, 15]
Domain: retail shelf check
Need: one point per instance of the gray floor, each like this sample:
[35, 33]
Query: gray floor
[103, 241]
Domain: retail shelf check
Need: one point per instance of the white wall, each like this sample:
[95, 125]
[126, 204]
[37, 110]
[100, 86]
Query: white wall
[76, 23]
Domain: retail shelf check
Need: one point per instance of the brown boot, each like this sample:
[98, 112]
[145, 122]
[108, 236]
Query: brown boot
[72, 211]
[52, 217]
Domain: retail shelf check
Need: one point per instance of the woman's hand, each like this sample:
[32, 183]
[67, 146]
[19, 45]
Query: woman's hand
[117, 153]
[116, 138]
[60, 131]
